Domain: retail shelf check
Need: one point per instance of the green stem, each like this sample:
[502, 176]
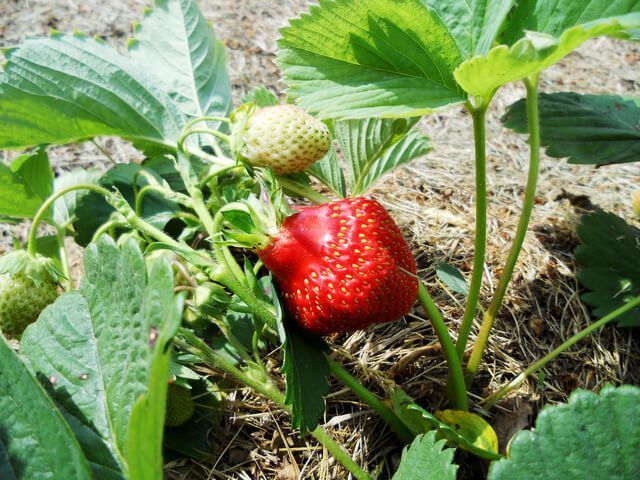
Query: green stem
[479, 135]
[339, 454]
[104, 152]
[534, 367]
[302, 190]
[387, 414]
[456, 376]
[44, 208]
[64, 259]
[523, 224]
[264, 385]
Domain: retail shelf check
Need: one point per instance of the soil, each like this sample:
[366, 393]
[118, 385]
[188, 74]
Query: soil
[433, 201]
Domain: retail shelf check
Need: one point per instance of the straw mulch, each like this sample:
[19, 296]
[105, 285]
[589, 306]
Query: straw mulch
[433, 201]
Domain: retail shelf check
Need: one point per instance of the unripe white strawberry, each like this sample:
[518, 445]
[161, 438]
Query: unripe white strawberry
[285, 138]
[27, 285]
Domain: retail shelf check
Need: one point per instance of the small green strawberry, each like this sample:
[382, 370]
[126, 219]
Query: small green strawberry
[27, 285]
[285, 138]
[180, 406]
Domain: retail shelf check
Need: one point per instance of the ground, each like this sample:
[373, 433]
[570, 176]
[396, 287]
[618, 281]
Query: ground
[433, 201]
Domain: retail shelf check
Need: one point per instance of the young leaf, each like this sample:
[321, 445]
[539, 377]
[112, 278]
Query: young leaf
[96, 349]
[379, 58]
[591, 436]
[534, 52]
[452, 278]
[427, 459]
[67, 88]
[306, 370]
[588, 129]
[372, 147]
[609, 260]
[25, 184]
[177, 46]
[35, 441]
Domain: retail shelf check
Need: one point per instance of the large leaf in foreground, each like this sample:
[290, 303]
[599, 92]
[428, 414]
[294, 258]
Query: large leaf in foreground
[427, 459]
[588, 129]
[379, 58]
[591, 436]
[609, 260]
[175, 43]
[97, 347]
[35, 441]
[68, 88]
[536, 51]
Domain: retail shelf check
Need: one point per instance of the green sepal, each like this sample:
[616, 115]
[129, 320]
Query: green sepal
[35, 267]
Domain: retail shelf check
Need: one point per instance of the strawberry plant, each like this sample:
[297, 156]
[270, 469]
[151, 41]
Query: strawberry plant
[248, 229]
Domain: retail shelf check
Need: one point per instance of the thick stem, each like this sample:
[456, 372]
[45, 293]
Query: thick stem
[302, 190]
[374, 402]
[456, 376]
[523, 224]
[44, 208]
[266, 387]
[479, 135]
[534, 367]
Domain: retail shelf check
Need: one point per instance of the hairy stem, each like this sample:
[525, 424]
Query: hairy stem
[534, 367]
[64, 259]
[44, 209]
[374, 402]
[523, 224]
[264, 385]
[479, 136]
[456, 376]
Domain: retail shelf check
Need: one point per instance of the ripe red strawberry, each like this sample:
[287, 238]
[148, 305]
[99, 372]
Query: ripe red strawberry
[342, 266]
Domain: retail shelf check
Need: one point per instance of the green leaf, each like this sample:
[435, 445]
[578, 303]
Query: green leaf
[102, 348]
[379, 58]
[591, 436]
[261, 96]
[452, 278]
[474, 24]
[329, 171]
[306, 370]
[64, 208]
[553, 17]
[35, 441]
[176, 45]
[609, 260]
[427, 459]
[482, 75]
[35, 171]
[68, 88]
[467, 430]
[93, 210]
[25, 184]
[588, 129]
[373, 147]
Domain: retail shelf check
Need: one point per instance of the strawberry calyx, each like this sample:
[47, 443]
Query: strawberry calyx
[37, 268]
